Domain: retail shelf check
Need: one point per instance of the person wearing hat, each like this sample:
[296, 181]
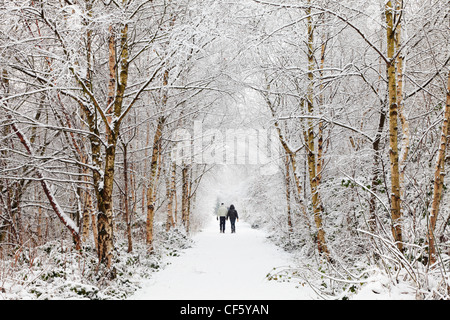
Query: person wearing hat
[222, 212]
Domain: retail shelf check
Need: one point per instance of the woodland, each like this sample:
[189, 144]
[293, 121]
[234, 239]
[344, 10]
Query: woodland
[98, 185]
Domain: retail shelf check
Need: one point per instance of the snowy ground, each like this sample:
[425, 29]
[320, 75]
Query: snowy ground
[223, 267]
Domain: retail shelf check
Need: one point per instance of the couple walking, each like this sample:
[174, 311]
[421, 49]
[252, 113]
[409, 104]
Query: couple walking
[223, 214]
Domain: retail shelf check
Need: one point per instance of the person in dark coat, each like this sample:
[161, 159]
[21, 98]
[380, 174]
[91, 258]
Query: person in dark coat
[233, 215]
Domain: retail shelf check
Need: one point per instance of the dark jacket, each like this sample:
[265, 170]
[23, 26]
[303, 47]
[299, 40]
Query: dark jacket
[232, 213]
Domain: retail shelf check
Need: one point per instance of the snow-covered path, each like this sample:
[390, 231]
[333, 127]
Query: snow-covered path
[224, 267]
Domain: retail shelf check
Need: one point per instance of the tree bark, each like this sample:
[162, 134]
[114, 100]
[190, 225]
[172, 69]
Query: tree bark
[126, 205]
[310, 143]
[401, 105]
[439, 176]
[104, 187]
[153, 181]
[288, 194]
[396, 214]
[376, 180]
[185, 197]
[170, 187]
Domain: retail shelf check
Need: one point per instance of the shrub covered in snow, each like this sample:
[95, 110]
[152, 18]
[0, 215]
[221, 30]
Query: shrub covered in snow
[56, 271]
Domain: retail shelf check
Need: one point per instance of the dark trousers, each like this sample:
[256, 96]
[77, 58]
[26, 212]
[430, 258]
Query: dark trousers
[233, 226]
[222, 224]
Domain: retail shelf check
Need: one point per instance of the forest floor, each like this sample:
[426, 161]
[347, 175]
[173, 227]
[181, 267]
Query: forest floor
[223, 267]
[245, 265]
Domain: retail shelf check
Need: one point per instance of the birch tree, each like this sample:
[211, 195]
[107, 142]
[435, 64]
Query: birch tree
[393, 18]
[439, 176]
[104, 104]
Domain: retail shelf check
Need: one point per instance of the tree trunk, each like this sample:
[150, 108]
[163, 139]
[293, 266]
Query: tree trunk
[104, 187]
[94, 225]
[401, 106]
[170, 187]
[112, 71]
[288, 194]
[106, 183]
[105, 208]
[439, 175]
[147, 142]
[320, 150]
[310, 144]
[184, 196]
[153, 181]
[376, 171]
[127, 209]
[393, 127]
[85, 224]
